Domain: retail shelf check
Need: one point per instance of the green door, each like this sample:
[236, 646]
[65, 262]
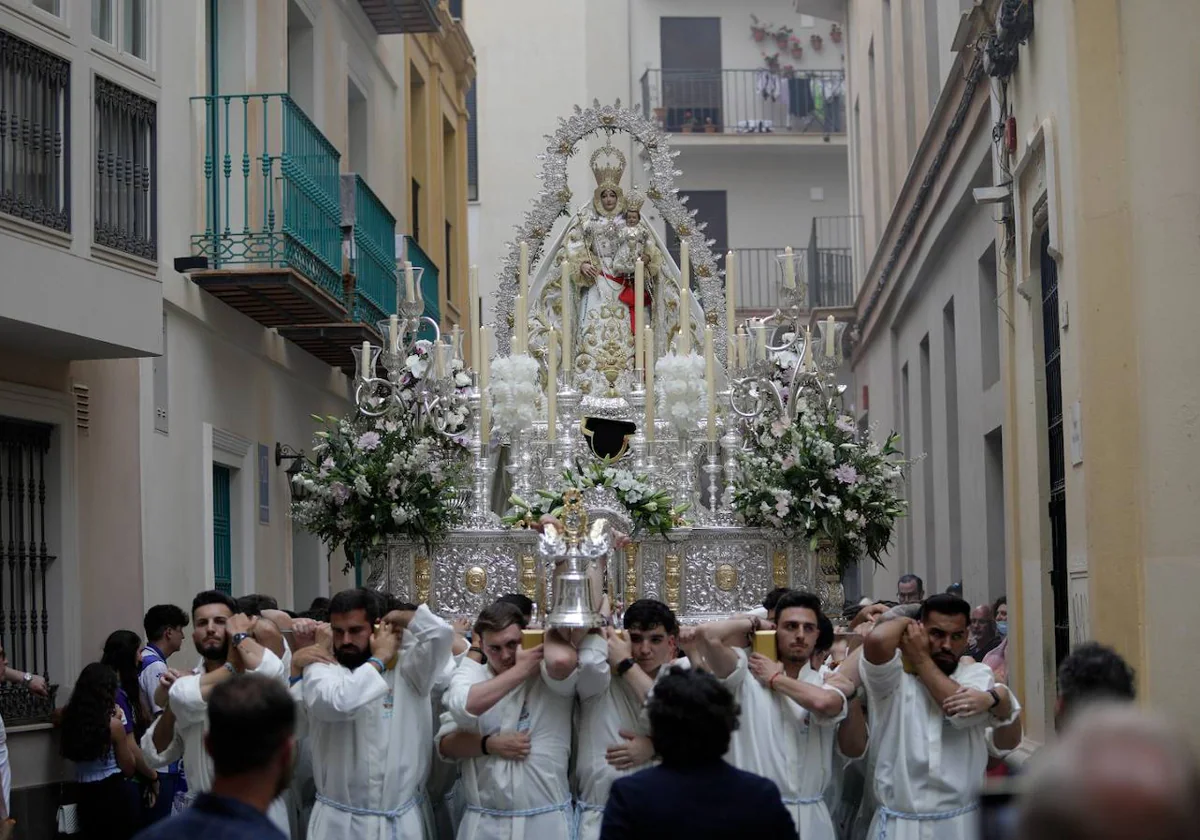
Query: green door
[222, 536]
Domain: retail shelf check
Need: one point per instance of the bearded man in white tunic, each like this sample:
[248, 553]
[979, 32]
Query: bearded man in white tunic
[612, 733]
[225, 641]
[523, 793]
[928, 745]
[790, 717]
[368, 720]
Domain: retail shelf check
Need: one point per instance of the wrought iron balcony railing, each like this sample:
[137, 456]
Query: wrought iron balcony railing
[35, 131]
[374, 237]
[828, 275]
[833, 251]
[746, 102]
[271, 188]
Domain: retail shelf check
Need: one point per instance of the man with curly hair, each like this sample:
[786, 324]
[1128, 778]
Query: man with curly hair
[1092, 672]
[694, 793]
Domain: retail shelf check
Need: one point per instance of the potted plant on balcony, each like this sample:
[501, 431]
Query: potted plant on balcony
[782, 35]
[797, 49]
[709, 126]
[835, 34]
[758, 29]
[689, 122]
[816, 42]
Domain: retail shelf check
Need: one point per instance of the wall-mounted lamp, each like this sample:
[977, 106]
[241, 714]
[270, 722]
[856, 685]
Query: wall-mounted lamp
[283, 452]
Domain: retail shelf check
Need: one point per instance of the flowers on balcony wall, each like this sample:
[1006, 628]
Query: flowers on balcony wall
[835, 34]
[816, 42]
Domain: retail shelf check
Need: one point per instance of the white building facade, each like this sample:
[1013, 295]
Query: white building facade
[142, 400]
[760, 127]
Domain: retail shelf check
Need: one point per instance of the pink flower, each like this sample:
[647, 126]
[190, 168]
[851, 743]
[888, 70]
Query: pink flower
[846, 474]
[368, 441]
[846, 424]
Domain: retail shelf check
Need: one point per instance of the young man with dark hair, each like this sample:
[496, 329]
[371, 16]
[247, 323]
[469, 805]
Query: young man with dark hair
[789, 715]
[510, 783]
[694, 793]
[369, 719]
[929, 714]
[251, 743]
[224, 639]
[164, 625]
[616, 674]
[1090, 673]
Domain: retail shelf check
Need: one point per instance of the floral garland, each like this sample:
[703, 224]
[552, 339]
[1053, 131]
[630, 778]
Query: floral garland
[378, 478]
[682, 390]
[650, 510]
[822, 479]
[515, 393]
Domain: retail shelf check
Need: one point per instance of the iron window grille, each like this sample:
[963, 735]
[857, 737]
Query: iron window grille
[126, 171]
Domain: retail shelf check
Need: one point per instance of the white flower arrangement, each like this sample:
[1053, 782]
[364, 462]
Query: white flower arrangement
[682, 391]
[514, 392]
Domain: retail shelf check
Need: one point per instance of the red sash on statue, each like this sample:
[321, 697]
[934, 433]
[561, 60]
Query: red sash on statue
[626, 297]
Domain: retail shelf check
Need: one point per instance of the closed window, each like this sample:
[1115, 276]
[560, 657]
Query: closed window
[128, 19]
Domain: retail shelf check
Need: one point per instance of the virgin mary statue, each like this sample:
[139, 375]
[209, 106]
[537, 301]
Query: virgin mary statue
[599, 248]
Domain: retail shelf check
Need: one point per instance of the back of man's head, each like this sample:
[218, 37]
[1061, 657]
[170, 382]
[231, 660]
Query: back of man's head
[1119, 772]
[251, 720]
[163, 617]
[255, 604]
[521, 602]
[1092, 672]
[769, 603]
[692, 717]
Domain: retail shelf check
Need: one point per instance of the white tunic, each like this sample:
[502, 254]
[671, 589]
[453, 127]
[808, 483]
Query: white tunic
[516, 800]
[191, 722]
[786, 743]
[928, 768]
[369, 734]
[606, 706]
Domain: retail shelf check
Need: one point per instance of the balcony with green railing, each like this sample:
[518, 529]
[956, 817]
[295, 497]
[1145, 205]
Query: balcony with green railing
[272, 215]
[373, 232]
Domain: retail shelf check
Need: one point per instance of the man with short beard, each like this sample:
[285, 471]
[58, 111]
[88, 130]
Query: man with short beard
[789, 716]
[369, 721]
[612, 739]
[928, 744]
[224, 639]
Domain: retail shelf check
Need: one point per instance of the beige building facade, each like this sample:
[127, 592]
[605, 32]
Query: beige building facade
[202, 218]
[1029, 340]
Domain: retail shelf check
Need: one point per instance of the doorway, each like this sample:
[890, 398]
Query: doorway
[710, 207]
[691, 70]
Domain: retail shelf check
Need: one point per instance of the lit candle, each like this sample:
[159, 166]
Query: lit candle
[789, 268]
[410, 287]
[730, 309]
[649, 430]
[568, 320]
[485, 364]
[394, 333]
[552, 387]
[364, 361]
[519, 332]
[710, 379]
[473, 319]
[524, 271]
[685, 321]
[639, 313]
[829, 333]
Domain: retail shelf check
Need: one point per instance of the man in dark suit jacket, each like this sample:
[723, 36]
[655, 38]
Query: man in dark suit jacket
[694, 794]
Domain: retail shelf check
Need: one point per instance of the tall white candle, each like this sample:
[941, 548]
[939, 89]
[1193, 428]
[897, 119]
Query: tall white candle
[743, 341]
[473, 319]
[829, 331]
[760, 340]
[393, 333]
[639, 313]
[519, 331]
[649, 430]
[439, 359]
[568, 321]
[485, 364]
[730, 309]
[808, 353]
[710, 379]
[524, 271]
[364, 361]
[552, 387]
[410, 286]
[789, 268]
[685, 265]
[685, 321]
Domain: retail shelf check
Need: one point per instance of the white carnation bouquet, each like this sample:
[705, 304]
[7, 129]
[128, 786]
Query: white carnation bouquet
[514, 392]
[682, 391]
